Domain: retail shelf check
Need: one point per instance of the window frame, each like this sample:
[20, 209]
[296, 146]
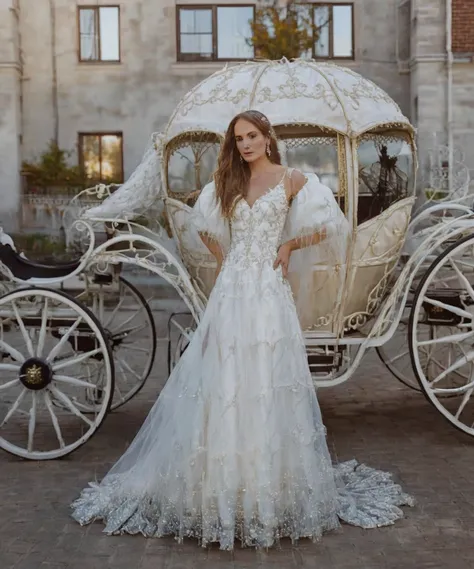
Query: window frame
[100, 134]
[331, 55]
[196, 58]
[96, 8]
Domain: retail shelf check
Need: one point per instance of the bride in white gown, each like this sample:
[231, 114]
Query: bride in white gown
[234, 447]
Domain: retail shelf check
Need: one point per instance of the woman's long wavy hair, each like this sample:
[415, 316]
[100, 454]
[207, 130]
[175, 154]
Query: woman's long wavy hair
[232, 175]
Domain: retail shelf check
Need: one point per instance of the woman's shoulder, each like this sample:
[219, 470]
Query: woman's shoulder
[297, 179]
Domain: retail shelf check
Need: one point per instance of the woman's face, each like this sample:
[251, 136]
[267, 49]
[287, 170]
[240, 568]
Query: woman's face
[251, 143]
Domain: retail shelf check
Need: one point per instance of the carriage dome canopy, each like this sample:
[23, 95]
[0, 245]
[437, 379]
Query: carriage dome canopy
[296, 92]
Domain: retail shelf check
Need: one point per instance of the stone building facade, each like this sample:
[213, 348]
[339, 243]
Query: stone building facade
[441, 73]
[101, 75]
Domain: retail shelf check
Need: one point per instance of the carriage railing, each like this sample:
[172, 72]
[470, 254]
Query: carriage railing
[388, 317]
[76, 268]
[133, 244]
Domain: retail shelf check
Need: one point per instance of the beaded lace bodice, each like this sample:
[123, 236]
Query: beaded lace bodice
[256, 231]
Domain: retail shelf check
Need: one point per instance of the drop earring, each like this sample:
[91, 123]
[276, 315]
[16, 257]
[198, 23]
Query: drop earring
[269, 152]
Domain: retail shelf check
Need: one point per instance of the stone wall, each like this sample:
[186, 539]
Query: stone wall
[10, 122]
[429, 83]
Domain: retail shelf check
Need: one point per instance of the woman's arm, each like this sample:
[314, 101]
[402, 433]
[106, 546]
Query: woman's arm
[214, 248]
[301, 242]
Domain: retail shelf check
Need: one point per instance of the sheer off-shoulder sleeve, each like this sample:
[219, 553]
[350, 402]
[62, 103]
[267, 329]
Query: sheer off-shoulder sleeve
[207, 218]
[314, 210]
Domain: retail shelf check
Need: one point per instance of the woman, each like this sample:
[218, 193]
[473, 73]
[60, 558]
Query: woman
[235, 447]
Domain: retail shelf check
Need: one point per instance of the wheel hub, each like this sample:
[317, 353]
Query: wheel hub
[36, 374]
[115, 340]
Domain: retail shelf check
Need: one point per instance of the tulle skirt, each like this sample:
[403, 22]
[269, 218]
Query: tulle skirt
[235, 447]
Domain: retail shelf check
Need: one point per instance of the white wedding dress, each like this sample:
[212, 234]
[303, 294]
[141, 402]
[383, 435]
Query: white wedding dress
[234, 447]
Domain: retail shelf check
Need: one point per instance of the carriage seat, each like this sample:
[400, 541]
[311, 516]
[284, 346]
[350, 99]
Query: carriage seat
[23, 269]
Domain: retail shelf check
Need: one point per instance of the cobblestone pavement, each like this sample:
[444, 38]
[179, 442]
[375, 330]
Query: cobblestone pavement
[372, 417]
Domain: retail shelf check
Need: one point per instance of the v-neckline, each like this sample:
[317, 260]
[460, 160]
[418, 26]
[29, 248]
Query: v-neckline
[266, 192]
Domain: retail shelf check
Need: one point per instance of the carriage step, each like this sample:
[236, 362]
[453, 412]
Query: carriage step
[325, 360]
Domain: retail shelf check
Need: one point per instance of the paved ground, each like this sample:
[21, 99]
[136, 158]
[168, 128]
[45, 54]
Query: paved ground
[372, 418]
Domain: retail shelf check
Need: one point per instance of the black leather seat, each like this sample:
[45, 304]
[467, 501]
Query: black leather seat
[24, 269]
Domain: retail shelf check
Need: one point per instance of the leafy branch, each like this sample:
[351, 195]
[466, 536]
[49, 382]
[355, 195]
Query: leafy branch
[283, 31]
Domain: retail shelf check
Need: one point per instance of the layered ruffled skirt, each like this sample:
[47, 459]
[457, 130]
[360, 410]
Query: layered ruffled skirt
[235, 447]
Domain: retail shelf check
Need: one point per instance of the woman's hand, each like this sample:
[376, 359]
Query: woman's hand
[283, 259]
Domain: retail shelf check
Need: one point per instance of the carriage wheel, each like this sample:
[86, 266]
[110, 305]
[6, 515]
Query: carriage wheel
[48, 341]
[444, 363]
[181, 327]
[130, 328]
[395, 355]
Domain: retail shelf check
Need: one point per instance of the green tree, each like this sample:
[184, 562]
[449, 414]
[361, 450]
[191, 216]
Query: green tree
[283, 31]
[52, 170]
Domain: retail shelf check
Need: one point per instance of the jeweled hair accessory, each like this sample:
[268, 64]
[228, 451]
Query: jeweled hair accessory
[266, 120]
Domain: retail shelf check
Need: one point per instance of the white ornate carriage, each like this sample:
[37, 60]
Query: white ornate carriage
[329, 120]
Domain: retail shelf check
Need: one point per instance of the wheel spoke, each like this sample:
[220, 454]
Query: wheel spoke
[397, 357]
[464, 402]
[14, 354]
[14, 407]
[432, 361]
[114, 313]
[463, 280]
[54, 419]
[24, 331]
[69, 404]
[32, 421]
[459, 363]
[9, 384]
[42, 332]
[129, 369]
[76, 359]
[129, 331]
[449, 307]
[134, 315]
[117, 387]
[9, 367]
[454, 390]
[74, 381]
[450, 338]
[134, 348]
[58, 347]
[466, 263]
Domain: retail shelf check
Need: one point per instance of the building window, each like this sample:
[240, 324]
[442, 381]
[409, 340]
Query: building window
[335, 25]
[213, 33]
[99, 33]
[462, 20]
[101, 156]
